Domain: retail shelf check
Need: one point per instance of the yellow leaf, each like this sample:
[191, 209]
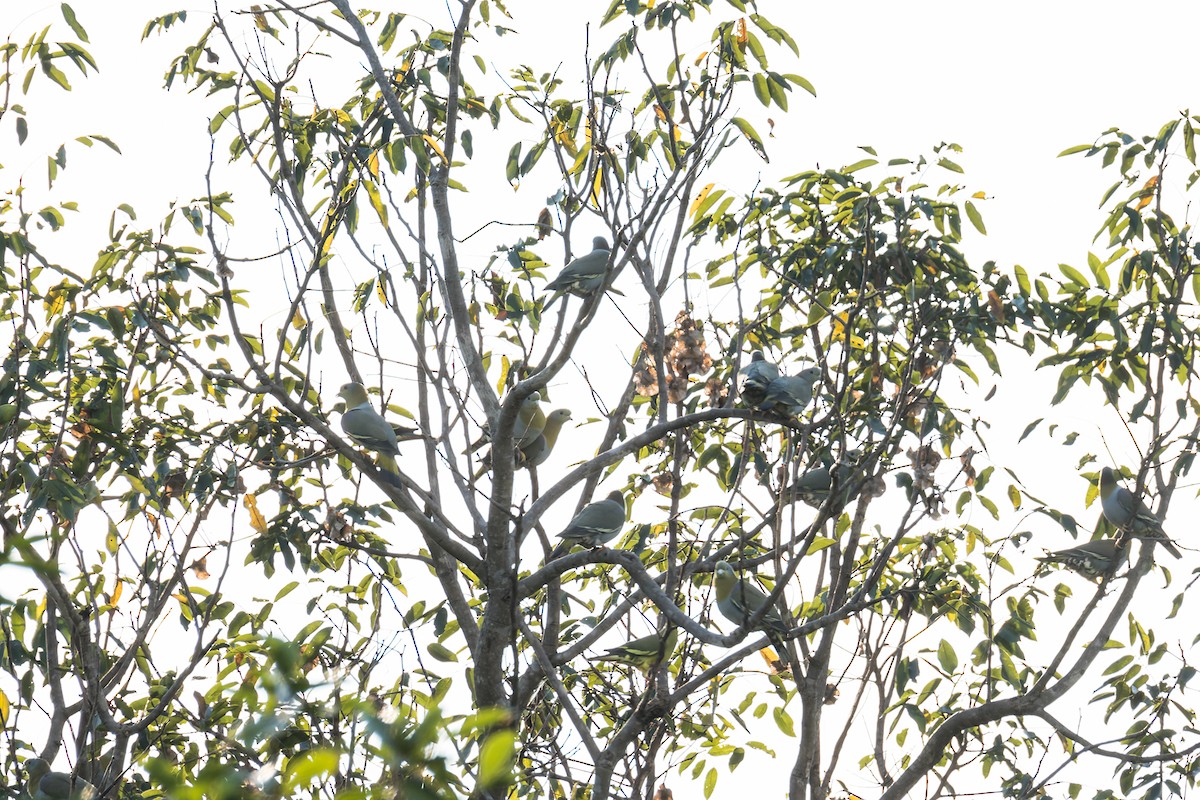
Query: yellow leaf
[381, 292]
[839, 327]
[839, 333]
[376, 201]
[1147, 194]
[505, 365]
[562, 135]
[979, 196]
[260, 19]
[4, 707]
[743, 36]
[598, 187]
[111, 542]
[429, 140]
[699, 201]
[298, 320]
[257, 520]
[658, 112]
[676, 133]
[117, 591]
[412, 193]
[373, 165]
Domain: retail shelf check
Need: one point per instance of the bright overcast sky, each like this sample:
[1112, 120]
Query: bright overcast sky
[1013, 83]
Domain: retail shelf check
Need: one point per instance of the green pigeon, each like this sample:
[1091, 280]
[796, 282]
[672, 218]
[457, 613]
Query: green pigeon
[583, 275]
[367, 427]
[791, 394]
[1129, 514]
[813, 486]
[536, 452]
[1093, 560]
[45, 784]
[528, 425]
[739, 599]
[594, 525]
[645, 652]
[756, 376]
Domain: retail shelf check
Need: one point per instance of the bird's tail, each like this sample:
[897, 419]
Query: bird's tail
[560, 549]
[1169, 546]
[550, 302]
[389, 468]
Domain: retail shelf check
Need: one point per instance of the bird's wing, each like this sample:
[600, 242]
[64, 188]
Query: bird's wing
[369, 429]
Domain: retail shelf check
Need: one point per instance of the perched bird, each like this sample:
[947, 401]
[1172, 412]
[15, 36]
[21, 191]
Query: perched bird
[645, 652]
[1093, 560]
[526, 427]
[582, 276]
[595, 524]
[739, 599]
[791, 394]
[814, 486]
[45, 784]
[755, 378]
[537, 451]
[1129, 513]
[530, 421]
[367, 427]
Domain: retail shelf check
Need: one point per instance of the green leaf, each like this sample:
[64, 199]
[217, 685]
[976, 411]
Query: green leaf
[802, 82]
[308, 767]
[496, 757]
[975, 217]
[1022, 280]
[857, 165]
[441, 652]
[761, 90]
[69, 15]
[784, 721]
[752, 136]
[513, 168]
[710, 782]
[947, 657]
[1074, 275]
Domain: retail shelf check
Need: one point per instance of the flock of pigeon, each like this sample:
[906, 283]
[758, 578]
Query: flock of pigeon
[762, 386]
[739, 599]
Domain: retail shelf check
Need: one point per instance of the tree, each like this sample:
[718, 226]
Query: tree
[271, 613]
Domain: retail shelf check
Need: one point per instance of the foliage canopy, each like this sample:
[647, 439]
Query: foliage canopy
[221, 595]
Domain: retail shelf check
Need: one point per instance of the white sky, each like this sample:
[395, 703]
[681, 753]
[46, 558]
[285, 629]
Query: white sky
[1013, 84]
